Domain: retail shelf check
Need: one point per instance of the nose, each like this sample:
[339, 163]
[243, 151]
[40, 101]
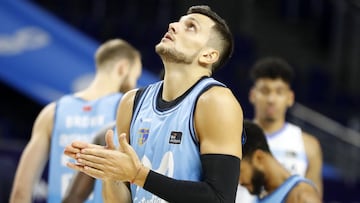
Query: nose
[271, 98]
[172, 27]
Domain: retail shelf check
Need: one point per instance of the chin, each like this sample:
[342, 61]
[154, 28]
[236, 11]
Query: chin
[160, 48]
[270, 119]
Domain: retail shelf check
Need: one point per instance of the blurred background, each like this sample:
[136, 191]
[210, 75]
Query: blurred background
[47, 46]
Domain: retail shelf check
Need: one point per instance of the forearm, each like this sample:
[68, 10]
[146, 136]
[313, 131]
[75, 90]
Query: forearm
[27, 175]
[221, 174]
[20, 195]
[116, 192]
[319, 185]
[71, 199]
[22, 189]
[80, 188]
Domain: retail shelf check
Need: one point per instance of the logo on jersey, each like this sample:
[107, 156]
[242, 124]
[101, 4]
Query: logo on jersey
[291, 154]
[87, 108]
[175, 137]
[143, 135]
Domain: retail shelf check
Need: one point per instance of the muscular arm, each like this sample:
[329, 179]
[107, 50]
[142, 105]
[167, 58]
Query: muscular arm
[218, 120]
[34, 157]
[314, 154]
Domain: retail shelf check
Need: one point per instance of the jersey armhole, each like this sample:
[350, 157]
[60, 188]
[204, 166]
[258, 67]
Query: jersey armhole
[138, 95]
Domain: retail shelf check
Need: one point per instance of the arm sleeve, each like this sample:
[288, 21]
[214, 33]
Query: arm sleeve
[220, 179]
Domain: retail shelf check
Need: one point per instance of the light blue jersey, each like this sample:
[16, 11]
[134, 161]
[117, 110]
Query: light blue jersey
[164, 137]
[76, 119]
[281, 193]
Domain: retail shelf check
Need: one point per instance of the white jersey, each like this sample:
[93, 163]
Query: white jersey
[287, 146]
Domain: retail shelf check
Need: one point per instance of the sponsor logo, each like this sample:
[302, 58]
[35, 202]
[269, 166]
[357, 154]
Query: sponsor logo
[175, 137]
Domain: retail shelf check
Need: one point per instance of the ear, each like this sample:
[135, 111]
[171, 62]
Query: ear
[252, 95]
[291, 98]
[209, 56]
[122, 67]
[258, 158]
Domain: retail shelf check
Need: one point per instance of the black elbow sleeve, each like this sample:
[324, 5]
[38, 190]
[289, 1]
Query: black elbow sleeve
[220, 179]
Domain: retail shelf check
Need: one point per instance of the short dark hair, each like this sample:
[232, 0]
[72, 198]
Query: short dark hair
[222, 29]
[272, 67]
[113, 50]
[255, 139]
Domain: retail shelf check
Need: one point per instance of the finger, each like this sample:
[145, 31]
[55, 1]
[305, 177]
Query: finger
[79, 145]
[90, 158]
[127, 148]
[82, 145]
[81, 168]
[70, 149]
[97, 152]
[70, 154]
[91, 164]
[93, 172]
[109, 139]
[122, 138]
[75, 166]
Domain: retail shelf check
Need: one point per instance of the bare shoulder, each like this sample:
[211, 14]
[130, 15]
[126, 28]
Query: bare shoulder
[218, 95]
[129, 96]
[48, 110]
[310, 141]
[219, 103]
[218, 122]
[304, 193]
[124, 112]
[45, 119]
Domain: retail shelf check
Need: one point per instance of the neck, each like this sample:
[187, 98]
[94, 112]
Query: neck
[179, 78]
[270, 126]
[275, 174]
[102, 85]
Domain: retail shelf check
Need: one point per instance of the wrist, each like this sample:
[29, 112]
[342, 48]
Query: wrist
[136, 174]
[141, 175]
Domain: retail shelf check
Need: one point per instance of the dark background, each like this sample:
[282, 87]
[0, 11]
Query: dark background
[320, 38]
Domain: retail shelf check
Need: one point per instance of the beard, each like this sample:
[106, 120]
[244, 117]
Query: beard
[125, 88]
[173, 55]
[258, 182]
[127, 85]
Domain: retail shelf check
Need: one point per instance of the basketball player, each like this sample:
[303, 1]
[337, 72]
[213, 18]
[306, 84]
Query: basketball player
[260, 170]
[75, 117]
[271, 96]
[183, 131]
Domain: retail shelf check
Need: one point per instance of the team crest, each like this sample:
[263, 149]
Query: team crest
[143, 135]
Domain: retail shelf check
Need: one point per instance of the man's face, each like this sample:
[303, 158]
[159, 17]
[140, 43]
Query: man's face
[251, 178]
[271, 98]
[185, 38]
[131, 79]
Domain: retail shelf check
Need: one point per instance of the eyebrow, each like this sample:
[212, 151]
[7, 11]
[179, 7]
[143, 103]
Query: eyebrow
[190, 18]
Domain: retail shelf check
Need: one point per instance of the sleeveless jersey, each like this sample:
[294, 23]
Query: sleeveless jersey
[287, 146]
[165, 140]
[281, 193]
[76, 119]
